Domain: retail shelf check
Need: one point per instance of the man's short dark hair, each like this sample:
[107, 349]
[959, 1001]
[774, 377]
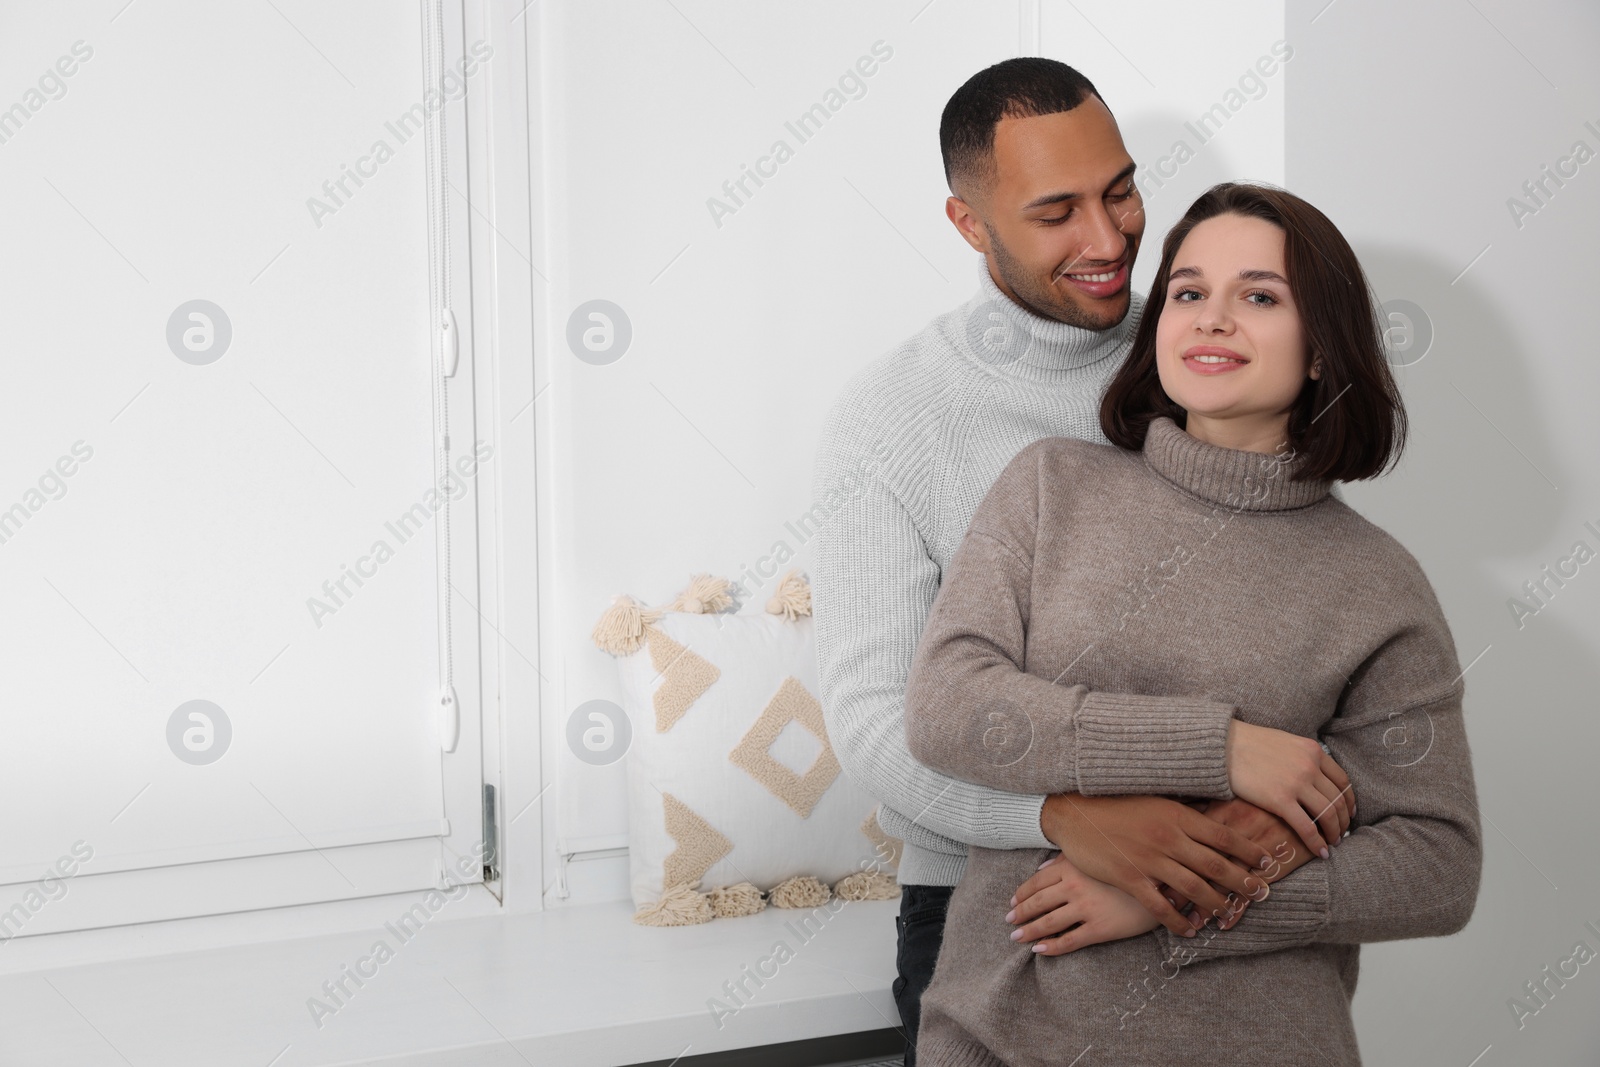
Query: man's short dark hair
[1021, 87]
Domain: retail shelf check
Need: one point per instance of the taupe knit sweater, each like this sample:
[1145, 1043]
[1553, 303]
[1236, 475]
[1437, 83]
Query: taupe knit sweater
[1106, 615]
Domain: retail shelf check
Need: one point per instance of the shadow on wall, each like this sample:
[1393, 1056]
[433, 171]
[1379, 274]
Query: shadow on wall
[1176, 163]
[1477, 487]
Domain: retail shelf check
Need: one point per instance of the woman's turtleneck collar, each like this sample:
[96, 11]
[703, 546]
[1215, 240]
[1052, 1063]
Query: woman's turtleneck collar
[1016, 343]
[1234, 478]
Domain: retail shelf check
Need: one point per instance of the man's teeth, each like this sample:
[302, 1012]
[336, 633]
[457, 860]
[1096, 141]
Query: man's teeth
[1093, 277]
[1215, 359]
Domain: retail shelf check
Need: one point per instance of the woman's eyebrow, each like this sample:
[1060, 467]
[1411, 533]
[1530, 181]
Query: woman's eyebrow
[1248, 275]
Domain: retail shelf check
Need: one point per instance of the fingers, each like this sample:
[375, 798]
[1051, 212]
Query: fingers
[1219, 871]
[1045, 877]
[1321, 800]
[1206, 899]
[1075, 938]
[1053, 922]
[1232, 912]
[1157, 905]
[1341, 781]
[1328, 808]
[1335, 773]
[1303, 826]
[1226, 917]
[1225, 839]
[1046, 900]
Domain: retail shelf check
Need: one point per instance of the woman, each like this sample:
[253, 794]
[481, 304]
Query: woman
[1201, 554]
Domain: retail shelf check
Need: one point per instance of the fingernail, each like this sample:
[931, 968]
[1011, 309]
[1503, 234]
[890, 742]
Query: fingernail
[1324, 852]
[1266, 861]
[1016, 935]
[1043, 865]
[1013, 901]
[1189, 932]
[1038, 948]
[1011, 916]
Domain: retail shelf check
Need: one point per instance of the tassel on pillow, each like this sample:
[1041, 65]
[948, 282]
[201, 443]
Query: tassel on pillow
[734, 900]
[867, 885]
[801, 892]
[620, 630]
[681, 905]
[793, 598]
[704, 595]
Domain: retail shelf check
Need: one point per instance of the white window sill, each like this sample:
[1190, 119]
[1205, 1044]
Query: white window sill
[580, 987]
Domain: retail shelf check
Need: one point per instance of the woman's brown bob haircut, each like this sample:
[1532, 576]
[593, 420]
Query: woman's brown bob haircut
[1348, 425]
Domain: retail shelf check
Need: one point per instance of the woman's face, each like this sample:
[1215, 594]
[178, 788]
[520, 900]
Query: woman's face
[1229, 347]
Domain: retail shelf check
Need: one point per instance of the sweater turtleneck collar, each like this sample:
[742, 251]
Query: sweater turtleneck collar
[1016, 343]
[1234, 478]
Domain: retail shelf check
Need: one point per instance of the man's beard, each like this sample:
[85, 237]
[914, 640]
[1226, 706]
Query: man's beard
[1046, 301]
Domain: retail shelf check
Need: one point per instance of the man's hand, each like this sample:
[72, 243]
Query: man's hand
[1139, 843]
[1062, 898]
[1264, 829]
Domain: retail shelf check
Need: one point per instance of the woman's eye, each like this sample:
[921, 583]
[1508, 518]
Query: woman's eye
[1181, 293]
[1267, 297]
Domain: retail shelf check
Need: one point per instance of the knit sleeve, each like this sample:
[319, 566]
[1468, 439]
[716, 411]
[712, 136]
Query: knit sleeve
[975, 712]
[872, 581]
[1414, 858]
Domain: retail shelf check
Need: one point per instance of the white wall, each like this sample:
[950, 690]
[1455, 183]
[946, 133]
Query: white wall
[1412, 126]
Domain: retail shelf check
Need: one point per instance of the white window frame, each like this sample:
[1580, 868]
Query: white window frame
[497, 292]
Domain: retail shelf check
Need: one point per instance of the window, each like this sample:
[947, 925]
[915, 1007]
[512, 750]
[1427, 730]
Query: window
[238, 502]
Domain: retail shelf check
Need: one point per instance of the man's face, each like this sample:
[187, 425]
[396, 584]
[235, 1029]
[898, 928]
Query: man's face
[1062, 219]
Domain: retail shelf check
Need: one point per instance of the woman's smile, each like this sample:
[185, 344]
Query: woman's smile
[1212, 359]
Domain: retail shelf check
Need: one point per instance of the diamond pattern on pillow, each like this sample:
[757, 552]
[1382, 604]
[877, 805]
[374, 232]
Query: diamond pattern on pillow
[791, 703]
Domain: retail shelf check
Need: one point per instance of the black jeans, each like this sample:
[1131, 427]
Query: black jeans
[920, 927]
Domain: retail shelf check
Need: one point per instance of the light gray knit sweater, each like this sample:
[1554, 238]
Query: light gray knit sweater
[909, 448]
[1210, 583]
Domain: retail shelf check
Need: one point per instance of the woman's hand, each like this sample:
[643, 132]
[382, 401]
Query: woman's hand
[1060, 909]
[1292, 777]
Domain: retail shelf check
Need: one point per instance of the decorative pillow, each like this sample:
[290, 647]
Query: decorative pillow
[735, 797]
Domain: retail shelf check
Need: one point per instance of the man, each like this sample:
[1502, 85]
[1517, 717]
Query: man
[1043, 187]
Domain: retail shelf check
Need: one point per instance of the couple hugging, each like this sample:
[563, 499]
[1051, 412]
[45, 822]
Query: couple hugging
[1168, 729]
